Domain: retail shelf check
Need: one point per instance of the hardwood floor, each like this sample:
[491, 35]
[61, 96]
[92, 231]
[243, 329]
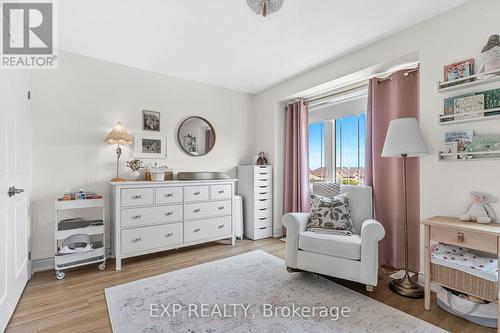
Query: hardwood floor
[77, 303]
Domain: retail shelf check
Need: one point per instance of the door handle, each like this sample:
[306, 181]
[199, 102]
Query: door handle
[13, 191]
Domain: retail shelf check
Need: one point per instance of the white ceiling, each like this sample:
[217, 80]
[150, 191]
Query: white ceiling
[223, 43]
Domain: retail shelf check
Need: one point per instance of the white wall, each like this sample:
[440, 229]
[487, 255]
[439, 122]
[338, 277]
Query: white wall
[456, 35]
[75, 106]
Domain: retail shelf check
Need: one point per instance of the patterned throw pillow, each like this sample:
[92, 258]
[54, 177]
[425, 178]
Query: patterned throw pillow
[330, 215]
[326, 189]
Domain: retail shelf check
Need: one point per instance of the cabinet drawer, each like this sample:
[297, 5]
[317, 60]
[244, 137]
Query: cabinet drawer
[220, 192]
[168, 195]
[263, 222]
[151, 215]
[149, 238]
[196, 193]
[264, 173]
[262, 232]
[263, 203]
[207, 209]
[209, 228]
[266, 193]
[259, 182]
[473, 240]
[263, 212]
[137, 197]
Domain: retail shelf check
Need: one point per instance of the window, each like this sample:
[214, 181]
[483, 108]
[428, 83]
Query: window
[337, 149]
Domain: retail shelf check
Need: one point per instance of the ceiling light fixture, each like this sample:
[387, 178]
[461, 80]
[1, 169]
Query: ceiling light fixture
[265, 7]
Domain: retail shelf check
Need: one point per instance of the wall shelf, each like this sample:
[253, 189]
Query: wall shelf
[483, 116]
[468, 82]
[473, 156]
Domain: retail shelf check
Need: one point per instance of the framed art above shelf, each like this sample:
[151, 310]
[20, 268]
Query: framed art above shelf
[468, 82]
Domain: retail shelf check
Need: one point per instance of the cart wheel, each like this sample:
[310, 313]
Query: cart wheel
[102, 266]
[60, 275]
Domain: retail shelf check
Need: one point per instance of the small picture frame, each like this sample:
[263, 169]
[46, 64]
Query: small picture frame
[150, 146]
[151, 120]
[459, 70]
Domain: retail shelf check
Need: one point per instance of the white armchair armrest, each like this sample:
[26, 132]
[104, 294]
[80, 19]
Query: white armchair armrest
[371, 233]
[295, 223]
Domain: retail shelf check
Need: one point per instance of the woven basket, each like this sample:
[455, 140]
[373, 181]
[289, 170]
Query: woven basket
[464, 282]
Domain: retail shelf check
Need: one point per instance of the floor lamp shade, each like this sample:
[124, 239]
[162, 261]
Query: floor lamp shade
[118, 136]
[404, 138]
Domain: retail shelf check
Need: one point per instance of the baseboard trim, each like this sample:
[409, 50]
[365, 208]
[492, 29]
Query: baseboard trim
[278, 233]
[40, 265]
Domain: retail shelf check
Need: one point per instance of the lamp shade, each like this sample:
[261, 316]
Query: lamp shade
[404, 137]
[119, 135]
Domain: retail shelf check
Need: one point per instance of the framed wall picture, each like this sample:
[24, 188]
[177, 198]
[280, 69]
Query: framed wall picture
[151, 120]
[150, 146]
[459, 70]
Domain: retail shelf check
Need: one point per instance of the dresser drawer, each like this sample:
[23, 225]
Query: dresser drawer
[196, 193]
[149, 238]
[168, 195]
[207, 209]
[262, 232]
[266, 193]
[469, 239]
[262, 173]
[263, 222]
[263, 212]
[137, 197]
[259, 182]
[134, 217]
[218, 192]
[209, 228]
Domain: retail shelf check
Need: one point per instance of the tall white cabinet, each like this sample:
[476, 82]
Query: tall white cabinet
[150, 217]
[255, 186]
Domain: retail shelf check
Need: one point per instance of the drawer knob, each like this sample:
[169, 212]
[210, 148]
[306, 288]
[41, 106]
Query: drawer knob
[168, 195]
[197, 210]
[262, 228]
[263, 209]
[221, 191]
[221, 207]
[460, 237]
[221, 226]
[197, 193]
[169, 213]
[135, 217]
[262, 192]
[138, 196]
[170, 234]
[135, 240]
[196, 230]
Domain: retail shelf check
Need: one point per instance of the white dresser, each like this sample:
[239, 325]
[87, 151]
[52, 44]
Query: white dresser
[150, 217]
[255, 186]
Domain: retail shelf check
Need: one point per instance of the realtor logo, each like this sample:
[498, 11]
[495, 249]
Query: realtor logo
[28, 35]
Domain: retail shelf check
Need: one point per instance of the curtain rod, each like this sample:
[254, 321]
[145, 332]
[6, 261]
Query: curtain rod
[337, 92]
[408, 72]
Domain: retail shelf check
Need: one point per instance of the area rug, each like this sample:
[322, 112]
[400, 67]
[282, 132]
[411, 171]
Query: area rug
[251, 292]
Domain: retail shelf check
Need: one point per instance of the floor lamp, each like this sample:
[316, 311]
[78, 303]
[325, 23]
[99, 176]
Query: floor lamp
[118, 136]
[404, 139]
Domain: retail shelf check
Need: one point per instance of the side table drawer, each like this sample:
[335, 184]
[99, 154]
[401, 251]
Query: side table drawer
[468, 239]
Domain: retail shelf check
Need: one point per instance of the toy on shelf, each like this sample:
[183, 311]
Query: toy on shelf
[480, 210]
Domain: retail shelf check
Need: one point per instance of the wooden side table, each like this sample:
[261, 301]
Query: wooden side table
[450, 230]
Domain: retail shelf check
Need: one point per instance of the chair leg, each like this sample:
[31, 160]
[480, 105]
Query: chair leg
[369, 288]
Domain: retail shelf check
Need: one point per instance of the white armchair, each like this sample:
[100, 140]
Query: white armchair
[352, 258]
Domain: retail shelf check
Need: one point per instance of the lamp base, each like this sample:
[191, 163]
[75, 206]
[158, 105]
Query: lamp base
[118, 179]
[407, 287]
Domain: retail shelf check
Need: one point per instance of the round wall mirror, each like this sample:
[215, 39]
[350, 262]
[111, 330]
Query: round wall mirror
[196, 136]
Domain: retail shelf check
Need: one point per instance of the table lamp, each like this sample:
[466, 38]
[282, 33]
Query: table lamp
[118, 136]
[404, 139]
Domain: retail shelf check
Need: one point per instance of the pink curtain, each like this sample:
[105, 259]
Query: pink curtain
[388, 100]
[296, 158]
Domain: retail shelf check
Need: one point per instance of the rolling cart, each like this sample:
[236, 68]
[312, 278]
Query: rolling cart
[79, 219]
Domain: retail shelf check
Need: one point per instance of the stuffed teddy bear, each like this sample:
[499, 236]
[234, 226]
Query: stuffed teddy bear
[480, 210]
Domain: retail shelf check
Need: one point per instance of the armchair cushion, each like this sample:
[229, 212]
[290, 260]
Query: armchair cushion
[348, 247]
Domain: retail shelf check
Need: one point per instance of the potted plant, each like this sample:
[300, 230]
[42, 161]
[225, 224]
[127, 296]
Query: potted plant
[135, 165]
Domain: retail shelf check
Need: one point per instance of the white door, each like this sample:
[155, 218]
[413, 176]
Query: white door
[15, 159]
